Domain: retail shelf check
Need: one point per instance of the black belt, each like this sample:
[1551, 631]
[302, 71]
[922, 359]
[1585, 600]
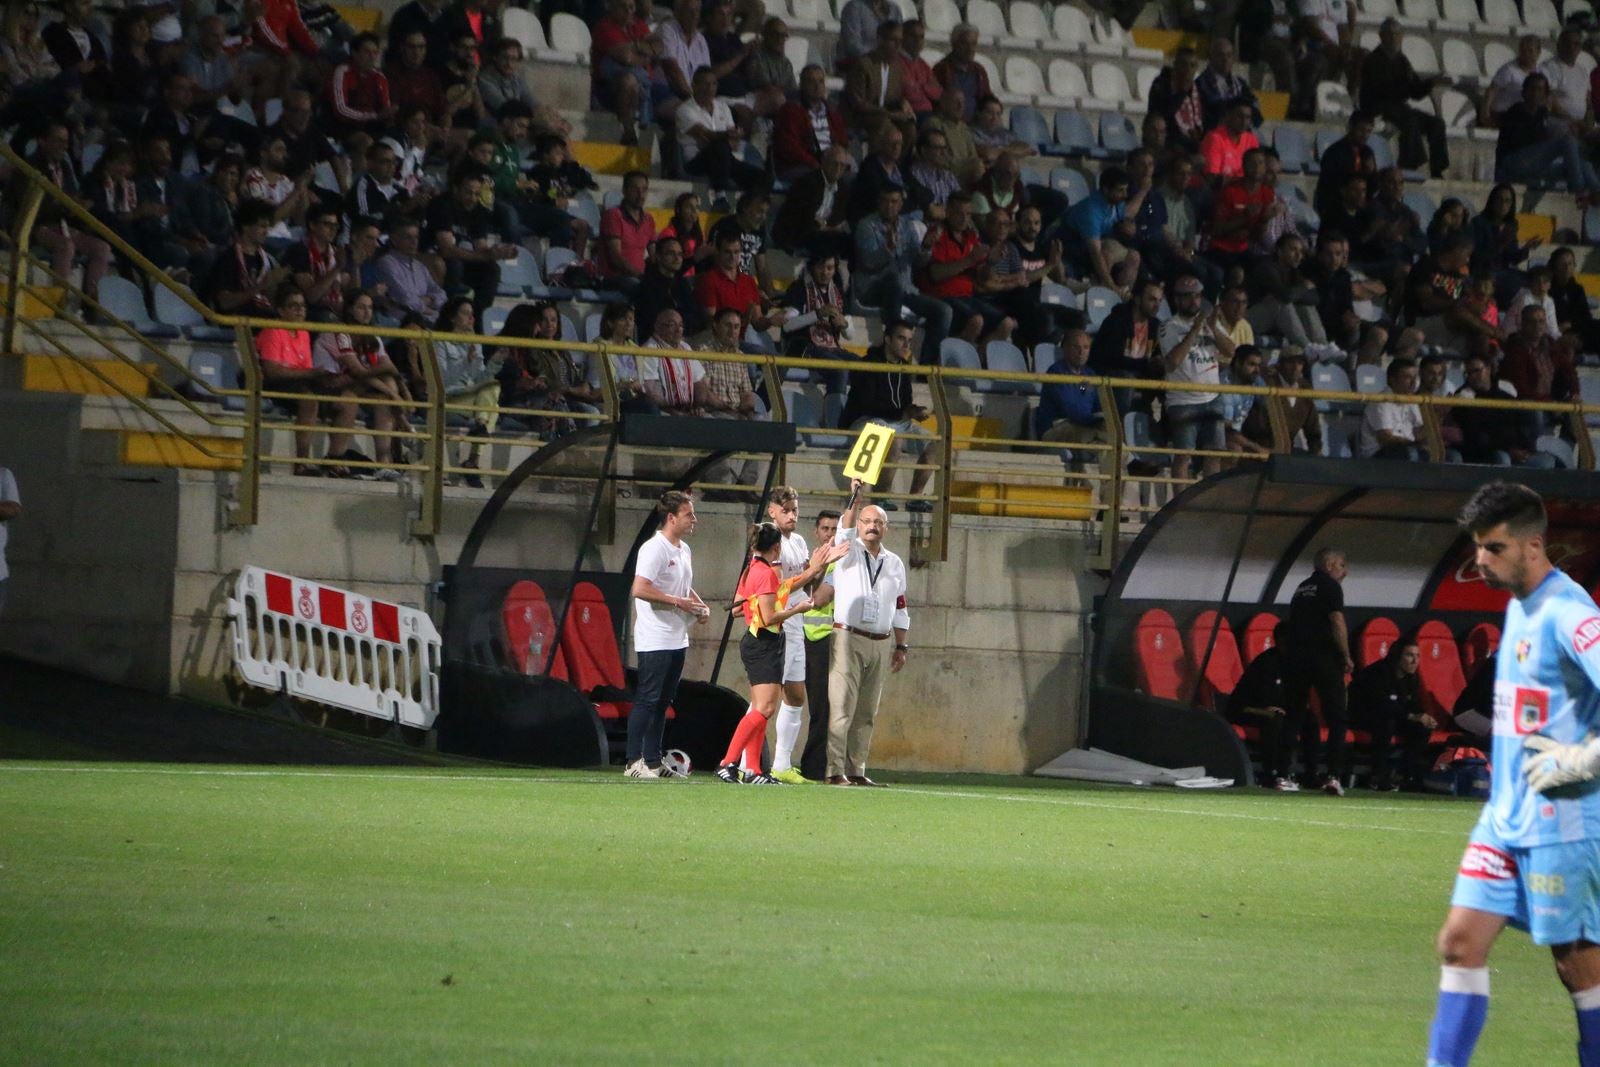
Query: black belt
[868, 634]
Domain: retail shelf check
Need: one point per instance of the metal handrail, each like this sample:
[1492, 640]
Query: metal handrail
[940, 381]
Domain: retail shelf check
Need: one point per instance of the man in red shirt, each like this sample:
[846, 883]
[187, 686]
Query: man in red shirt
[726, 286]
[1536, 367]
[1224, 147]
[957, 260]
[622, 68]
[412, 82]
[921, 89]
[625, 235]
[1242, 211]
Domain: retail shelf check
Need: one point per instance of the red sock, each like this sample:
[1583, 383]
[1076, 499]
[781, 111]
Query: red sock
[742, 732]
[752, 746]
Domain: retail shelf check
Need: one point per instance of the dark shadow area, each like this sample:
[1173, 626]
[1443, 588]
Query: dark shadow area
[47, 713]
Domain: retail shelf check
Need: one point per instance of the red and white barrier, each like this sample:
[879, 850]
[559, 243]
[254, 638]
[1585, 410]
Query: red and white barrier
[335, 647]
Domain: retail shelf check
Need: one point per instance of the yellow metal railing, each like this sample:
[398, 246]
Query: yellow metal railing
[951, 487]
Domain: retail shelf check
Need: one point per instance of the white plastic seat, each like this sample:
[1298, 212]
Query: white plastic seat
[1333, 101]
[797, 50]
[987, 17]
[523, 26]
[1073, 29]
[1457, 109]
[569, 38]
[940, 17]
[1146, 77]
[1372, 12]
[1024, 77]
[1503, 15]
[1066, 79]
[1463, 16]
[1004, 95]
[1424, 60]
[1111, 34]
[1422, 12]
[1108, 82]
[1030, 25]
[810, 14]
[1540, 16]
[1460, 61]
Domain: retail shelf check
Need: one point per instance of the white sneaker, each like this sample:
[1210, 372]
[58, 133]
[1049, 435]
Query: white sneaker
[1333, 787]
[1286, 785]
[639, 769]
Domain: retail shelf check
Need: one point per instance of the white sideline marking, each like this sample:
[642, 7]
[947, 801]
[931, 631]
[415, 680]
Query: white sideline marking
[514, 779]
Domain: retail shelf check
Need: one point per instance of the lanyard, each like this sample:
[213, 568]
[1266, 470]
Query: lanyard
[872, 576]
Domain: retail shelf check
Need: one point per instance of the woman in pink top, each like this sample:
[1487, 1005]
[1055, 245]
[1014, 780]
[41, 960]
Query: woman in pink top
[287, 367]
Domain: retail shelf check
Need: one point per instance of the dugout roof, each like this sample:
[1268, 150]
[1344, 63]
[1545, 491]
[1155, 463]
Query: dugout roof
[1248, 536]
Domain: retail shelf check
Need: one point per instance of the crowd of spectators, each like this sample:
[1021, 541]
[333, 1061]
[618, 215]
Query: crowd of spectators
[255, 150]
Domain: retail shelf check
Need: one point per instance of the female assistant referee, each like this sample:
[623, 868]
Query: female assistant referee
[763, 600]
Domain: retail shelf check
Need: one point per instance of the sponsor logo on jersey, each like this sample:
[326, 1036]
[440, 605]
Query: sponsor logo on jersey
[1524, 650]
[1587, 635]
[1489, 864]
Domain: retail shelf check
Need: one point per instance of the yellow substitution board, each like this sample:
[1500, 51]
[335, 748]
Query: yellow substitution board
[866, 458]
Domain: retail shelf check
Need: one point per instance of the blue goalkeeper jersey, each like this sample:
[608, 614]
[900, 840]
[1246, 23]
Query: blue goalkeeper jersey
[1546, 681]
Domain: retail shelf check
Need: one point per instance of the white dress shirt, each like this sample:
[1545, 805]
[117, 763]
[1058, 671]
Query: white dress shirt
[869, 592]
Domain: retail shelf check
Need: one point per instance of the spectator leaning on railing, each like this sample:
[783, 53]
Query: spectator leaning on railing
[287, 366]
[725, 393]
[1070, 412]
[671, 381]
[887, 398]
[1391, 429]
[1498, 436]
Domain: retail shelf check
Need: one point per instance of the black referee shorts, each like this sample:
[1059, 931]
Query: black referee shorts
[762, 653]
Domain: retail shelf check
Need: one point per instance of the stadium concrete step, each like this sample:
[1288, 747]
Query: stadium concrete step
[61, 374]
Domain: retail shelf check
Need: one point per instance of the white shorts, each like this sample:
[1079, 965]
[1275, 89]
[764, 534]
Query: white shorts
[794, 649]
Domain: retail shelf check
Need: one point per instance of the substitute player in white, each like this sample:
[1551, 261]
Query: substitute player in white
[1534, 858]
[783, 509]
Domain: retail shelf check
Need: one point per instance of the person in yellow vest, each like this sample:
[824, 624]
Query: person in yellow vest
[818, 627]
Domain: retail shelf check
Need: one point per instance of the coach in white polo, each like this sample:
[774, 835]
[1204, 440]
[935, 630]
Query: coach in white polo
[869, 636]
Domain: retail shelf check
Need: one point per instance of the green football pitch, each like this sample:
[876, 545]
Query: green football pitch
[181, 914]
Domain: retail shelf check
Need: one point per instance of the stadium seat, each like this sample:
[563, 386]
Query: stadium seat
[1055, 293]
[1069, 181]
[1293, 150]
[1560, 448]
[1044, 356]
[1097, 304]
[987, 18]
[1258, 635]
[1376, 637]
[1109, 33]
[1028, 126]
[1145, 77]
[569, 38]
[529, 630]
[959, 354]
[172, 310]
[1463, 16]
[1329, 378]
[215, 369]
[1373, 12]
[583, 207]
[1067, 81]
[1117, 133]
[1028, 23]
[797, 50]
[518, 276]
[1072, 28]
[125, 300]
[1480, 644]
[1074, 136]
[1005, 356]
[1418, 49]
[523, 26]
[940, 17]
[1370, 379]
[1460, 60]
[1441, 680]
[494, 320]
[1162, 669]
[591, 326]
[1333, 103]
[1108, 82]
[808, 409]
[1422, 203]
[1422, 13]
[589, 643]
[1497, 54]
[1540, 16]
[1223, 669]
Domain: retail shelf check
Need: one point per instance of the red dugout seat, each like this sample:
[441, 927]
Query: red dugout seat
[1440, 672]
[1158, 653]
[1482, 641]
[1376, 638]
[589, 643]
[530, 630]
[1258, 636]
[1223, 670]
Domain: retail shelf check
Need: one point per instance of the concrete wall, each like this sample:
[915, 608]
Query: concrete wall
[124, 575]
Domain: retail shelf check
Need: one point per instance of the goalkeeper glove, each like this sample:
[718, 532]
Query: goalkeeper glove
[1548, 764]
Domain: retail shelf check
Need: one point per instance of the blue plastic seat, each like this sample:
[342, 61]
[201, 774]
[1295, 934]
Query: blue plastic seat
[124, 300]
[1029, 126]
[1005, 356]
[1075, 137]
[1117, 135]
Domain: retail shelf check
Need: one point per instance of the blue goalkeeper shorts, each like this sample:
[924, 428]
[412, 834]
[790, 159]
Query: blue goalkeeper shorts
[1551, 891]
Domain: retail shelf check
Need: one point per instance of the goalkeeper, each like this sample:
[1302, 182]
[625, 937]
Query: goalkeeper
[763, 601]
[1534, 858]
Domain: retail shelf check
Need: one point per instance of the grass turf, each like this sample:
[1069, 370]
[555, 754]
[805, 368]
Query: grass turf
[165, 914]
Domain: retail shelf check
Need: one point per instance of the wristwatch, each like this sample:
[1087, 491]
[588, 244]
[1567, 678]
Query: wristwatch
[902, 648]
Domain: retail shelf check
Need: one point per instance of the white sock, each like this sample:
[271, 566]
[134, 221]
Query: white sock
[788, 734]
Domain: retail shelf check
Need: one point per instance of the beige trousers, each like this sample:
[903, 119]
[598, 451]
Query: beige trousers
[854, 681]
